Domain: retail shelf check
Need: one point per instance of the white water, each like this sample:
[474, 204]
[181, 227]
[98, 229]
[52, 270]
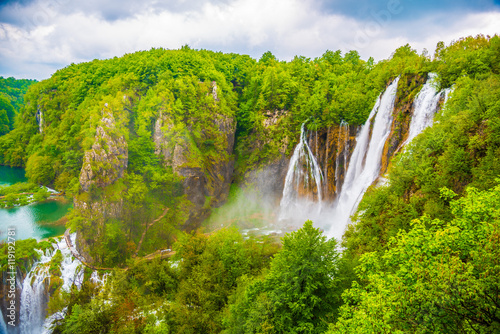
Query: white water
[364, 166]
[33, 294]
[447, 93]
[3, 326]
[99, 281]
[426, 104]
[34, 297]
[291, 204]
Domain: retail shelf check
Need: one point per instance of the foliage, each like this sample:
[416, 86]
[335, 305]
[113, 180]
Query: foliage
[298, 295]
[22, 193]
[14, 90]
[437, 277]
[423, 261]
[25, 253]
[469, 56]
[11, 100]
[184, 295]
[462, 148]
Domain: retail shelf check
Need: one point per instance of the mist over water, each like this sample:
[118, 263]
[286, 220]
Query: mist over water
[303, 170]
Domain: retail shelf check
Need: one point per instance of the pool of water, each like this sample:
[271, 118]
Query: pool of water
[11, 175]
[37, 220]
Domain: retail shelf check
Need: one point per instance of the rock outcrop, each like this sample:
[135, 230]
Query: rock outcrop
[108, 158]
[332, 148]
[206, 177]
[104, 164]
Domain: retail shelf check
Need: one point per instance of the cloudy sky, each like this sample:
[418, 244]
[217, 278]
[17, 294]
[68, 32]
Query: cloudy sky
[39, 36]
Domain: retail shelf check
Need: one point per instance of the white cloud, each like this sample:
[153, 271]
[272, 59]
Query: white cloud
[58, 36]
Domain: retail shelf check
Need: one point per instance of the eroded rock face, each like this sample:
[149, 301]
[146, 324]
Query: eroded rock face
[332, 148]
[206, 180]
[162, 146]
[108, 158]
[6, 294]
[103, 164]
[269, 180]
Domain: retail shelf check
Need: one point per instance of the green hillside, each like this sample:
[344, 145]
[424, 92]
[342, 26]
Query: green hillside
[151, 144]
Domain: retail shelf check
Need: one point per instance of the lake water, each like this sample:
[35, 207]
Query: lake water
[34, 220]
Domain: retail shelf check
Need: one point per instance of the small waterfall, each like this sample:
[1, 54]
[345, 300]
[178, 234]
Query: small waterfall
[302, 167]
[426, 104]
[34, 296]
[3, 326]
[364, 166]
[447, 93]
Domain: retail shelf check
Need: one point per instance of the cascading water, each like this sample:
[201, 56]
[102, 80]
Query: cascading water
[426, 104]
[3, 326]
[364, 166]
[33, 297]
[302, 167]
[447, 93]
[34, 290]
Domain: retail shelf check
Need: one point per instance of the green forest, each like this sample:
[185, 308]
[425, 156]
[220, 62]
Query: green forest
[11, 101]
[156, 149]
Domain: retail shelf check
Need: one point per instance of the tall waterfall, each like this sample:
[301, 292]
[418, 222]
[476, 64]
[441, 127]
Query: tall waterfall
[426, 104]
[303, 171]
[34, 296]
[364, 166]
[365, 162]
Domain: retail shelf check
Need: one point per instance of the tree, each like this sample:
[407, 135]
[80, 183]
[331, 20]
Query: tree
[438, 277]
[299, 294]
[4, 122]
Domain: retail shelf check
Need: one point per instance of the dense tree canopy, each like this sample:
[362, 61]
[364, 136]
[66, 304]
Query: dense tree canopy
[421, 255]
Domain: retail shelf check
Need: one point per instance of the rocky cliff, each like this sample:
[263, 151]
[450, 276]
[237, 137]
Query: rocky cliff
[107, 160]
[205, 162]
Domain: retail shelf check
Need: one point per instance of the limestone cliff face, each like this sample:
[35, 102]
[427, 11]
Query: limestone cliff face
[108, 158]
[207, 177]
[332, 148]
[163, 146]
[268, 178]
[103, 164]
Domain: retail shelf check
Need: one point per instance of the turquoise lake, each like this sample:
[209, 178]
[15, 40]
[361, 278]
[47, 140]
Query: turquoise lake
[35, 220]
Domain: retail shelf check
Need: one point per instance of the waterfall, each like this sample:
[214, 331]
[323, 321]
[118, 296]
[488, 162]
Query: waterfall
[302, 166]
[447, 93]
[426, 104]
[3, 326]
[364, 166]
[34, 295]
